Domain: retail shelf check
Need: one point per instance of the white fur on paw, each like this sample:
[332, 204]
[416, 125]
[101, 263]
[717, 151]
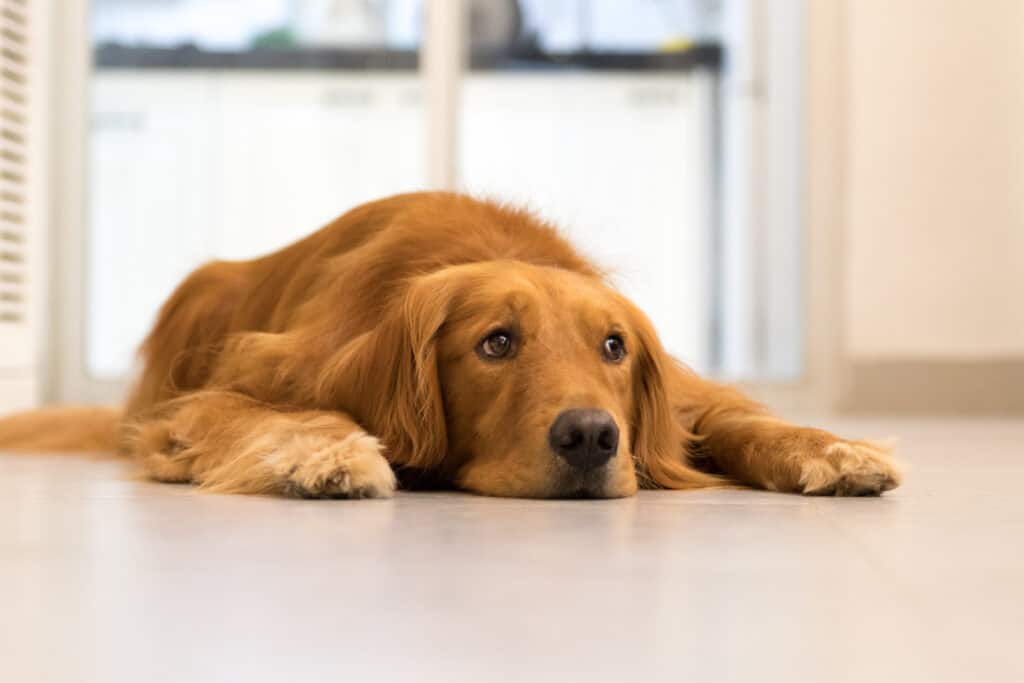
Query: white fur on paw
[846, 468]
[352, 467]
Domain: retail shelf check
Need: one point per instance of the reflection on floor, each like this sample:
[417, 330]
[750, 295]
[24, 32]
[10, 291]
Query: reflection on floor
[106, 578]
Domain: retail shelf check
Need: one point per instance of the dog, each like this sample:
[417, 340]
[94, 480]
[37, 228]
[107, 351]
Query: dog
[452, 342]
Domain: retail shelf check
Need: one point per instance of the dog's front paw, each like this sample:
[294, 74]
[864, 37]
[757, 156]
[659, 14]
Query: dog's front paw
[352, 467]
[848, 468]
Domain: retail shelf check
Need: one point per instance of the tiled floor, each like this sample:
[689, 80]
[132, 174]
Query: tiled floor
[105, 578]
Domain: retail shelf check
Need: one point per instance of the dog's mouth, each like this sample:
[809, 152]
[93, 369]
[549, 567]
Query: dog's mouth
[577, 494]
[583, 485]
[562, 483]
[583, 494]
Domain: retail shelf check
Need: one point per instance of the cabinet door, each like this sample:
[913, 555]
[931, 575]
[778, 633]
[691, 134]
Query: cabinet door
[187, 167]
[297, 151]
[622, 163]
[152, 203]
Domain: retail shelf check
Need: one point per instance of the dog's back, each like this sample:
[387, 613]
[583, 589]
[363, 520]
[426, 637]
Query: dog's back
[366, 255]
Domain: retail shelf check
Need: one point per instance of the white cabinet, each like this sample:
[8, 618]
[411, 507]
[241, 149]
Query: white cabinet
[192, 165]
[298, 150]
[188, 166]
[623, 163]
[153, 200]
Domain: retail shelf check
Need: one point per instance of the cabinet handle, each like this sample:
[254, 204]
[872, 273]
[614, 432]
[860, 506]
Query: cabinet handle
[654, 96]
[349, 98]
[127, 121]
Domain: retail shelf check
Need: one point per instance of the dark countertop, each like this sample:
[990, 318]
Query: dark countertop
[109, 56]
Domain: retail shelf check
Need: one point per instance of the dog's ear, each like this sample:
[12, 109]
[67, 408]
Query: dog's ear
[388, 378]
[660, 443]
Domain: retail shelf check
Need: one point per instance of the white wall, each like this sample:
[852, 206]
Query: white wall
[934, 179]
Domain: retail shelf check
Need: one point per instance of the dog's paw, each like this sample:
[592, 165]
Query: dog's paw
[352, 467]
[848, 468]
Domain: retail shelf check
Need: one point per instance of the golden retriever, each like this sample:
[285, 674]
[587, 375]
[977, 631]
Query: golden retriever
[453, 342]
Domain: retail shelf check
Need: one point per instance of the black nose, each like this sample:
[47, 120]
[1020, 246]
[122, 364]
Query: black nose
[585, 438]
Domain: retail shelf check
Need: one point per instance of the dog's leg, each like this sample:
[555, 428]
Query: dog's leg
[227, 442]
[741, 439]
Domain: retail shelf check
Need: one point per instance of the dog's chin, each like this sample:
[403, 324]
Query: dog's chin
[597, 483]
[584, 493]
[559, 481]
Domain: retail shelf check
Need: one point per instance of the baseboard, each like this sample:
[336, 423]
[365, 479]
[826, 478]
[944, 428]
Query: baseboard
[983, 387]
[18, 391]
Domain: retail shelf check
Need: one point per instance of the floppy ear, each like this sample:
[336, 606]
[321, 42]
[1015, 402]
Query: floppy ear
[660, 442]
[387, 379]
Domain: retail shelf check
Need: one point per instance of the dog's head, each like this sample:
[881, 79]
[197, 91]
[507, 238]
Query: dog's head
[517, 380]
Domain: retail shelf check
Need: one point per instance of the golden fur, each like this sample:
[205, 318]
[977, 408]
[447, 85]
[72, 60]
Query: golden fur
[322, 369]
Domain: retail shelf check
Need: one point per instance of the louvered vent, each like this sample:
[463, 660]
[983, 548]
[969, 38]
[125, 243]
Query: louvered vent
[13, 162]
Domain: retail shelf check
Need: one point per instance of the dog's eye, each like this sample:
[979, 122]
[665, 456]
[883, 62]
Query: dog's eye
[496, 345]
[614, 348]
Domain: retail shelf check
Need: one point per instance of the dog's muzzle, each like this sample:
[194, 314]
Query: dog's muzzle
[584, 438]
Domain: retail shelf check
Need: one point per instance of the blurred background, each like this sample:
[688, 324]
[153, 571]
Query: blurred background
[821, 200]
